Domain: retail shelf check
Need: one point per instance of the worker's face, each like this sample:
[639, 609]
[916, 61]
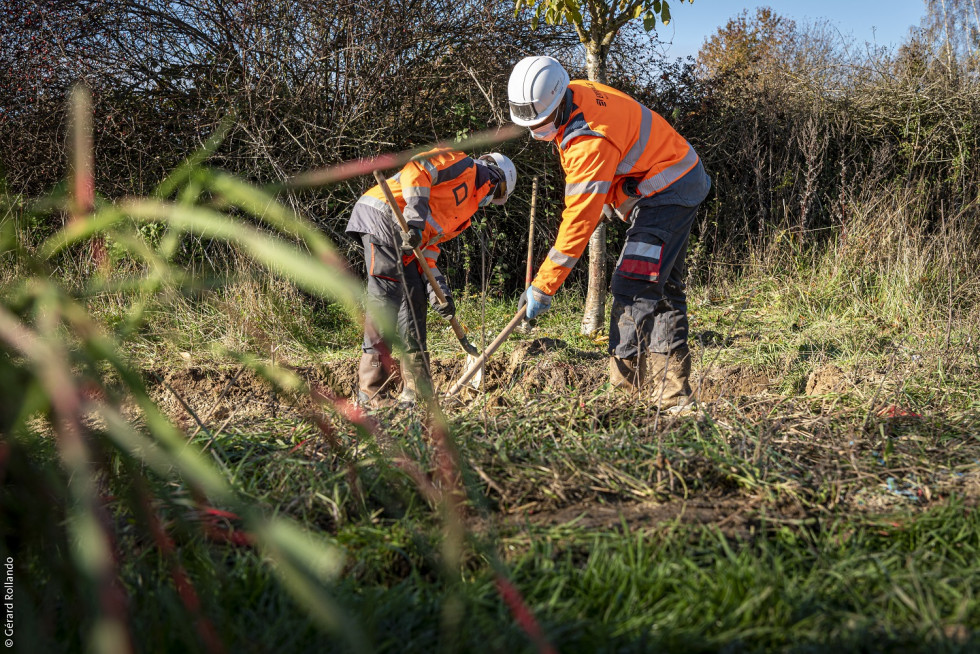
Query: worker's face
[544, 132]
[547, 130]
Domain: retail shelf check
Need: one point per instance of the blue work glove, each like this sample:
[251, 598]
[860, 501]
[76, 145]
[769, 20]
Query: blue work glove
[411, 239]
[535, 301]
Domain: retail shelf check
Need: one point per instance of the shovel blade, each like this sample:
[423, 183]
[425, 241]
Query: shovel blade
[477, 377]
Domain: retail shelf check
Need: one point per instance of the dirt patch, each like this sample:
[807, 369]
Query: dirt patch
[734, 517]
[541, 366]
[219, 394]
[825, 379]
[730, 383]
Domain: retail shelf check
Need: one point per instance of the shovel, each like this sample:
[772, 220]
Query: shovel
[468, 347]
[476, 367]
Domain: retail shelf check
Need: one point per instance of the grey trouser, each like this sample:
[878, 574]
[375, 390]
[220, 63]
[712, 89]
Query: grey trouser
[649, 309]
[386, 292]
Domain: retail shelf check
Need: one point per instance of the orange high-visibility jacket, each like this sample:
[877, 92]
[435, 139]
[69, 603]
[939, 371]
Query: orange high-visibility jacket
[608, 138]
[438, 193]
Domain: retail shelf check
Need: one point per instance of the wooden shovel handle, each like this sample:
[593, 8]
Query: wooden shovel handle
[528, 277]
[478, 363]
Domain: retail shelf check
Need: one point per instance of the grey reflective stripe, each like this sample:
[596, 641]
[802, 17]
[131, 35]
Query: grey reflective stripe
[638, 249]
[629, 161]
[577, 133]
[373, 202]
[591, 187]
[432, 256]
[454, 171]
[415, 192]
[396, 177]
[429, 220]
[561, 259]
[432, 170]
[669, 175]
[624, 209]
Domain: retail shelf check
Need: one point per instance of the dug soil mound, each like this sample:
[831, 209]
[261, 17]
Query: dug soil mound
[212, 395]
[729, 383]
[533, 367]
[541, 365]
[825, 379]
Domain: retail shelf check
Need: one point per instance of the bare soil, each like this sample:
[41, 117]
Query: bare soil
[826, 461]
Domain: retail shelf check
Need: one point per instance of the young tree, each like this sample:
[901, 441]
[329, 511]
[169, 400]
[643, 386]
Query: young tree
[596, 22]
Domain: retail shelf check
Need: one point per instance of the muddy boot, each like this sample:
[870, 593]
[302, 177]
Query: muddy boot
[414, 375]
[373, 381]
[624, 375]
[667, 380]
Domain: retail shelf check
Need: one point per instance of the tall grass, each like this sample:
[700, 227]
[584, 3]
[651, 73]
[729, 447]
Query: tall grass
[117, 496]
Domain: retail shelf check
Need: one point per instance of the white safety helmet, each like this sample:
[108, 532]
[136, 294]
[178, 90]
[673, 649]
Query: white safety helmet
[536, 86]
[508, 175]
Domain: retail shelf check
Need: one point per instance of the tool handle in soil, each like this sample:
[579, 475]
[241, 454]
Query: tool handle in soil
[440, 296]
[478, 363]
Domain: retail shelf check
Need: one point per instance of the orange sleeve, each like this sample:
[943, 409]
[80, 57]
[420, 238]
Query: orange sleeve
[590, 168]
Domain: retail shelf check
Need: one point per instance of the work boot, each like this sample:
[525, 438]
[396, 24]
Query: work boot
[414, 374]
[624, 375]
[666, 379]
[373, 381]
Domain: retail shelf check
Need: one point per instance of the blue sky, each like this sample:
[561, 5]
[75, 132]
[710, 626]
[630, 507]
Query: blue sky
[882, 22]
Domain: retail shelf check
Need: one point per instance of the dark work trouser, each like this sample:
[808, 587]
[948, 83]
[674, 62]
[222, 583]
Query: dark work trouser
[386, 293]
[649, 309]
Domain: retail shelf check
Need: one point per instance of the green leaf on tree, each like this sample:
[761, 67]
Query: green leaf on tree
[649, 21]
[571, 10]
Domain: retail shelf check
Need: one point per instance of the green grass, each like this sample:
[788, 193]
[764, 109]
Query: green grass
[889, 584]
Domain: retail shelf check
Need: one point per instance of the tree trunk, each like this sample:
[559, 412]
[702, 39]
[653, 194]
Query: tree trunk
[595, 298]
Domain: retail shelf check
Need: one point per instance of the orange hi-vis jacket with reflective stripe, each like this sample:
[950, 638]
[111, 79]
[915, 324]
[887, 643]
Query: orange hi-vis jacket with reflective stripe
[437, 193]
[608, 138]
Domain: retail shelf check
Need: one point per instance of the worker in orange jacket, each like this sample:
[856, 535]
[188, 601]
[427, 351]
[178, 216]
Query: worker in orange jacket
[621, 160]
[438, 192]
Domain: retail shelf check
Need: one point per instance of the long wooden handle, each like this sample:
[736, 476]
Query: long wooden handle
[478, 363]
[404, 225]
[440, 296]
[530, 234]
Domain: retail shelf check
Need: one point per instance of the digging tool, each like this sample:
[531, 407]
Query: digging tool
[529, 275]
[528, 278]
[477, 365]
[440, 296]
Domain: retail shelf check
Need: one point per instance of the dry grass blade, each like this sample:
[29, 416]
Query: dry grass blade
[365, 166]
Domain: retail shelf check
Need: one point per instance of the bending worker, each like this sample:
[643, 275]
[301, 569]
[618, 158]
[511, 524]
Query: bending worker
[438, 192]
[620, 160]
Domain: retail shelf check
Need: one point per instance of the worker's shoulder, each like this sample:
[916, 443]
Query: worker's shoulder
[440, 156]
[592, 96]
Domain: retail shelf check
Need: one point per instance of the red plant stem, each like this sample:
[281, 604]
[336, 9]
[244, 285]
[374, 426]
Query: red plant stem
[523, 615]
[182, 582]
